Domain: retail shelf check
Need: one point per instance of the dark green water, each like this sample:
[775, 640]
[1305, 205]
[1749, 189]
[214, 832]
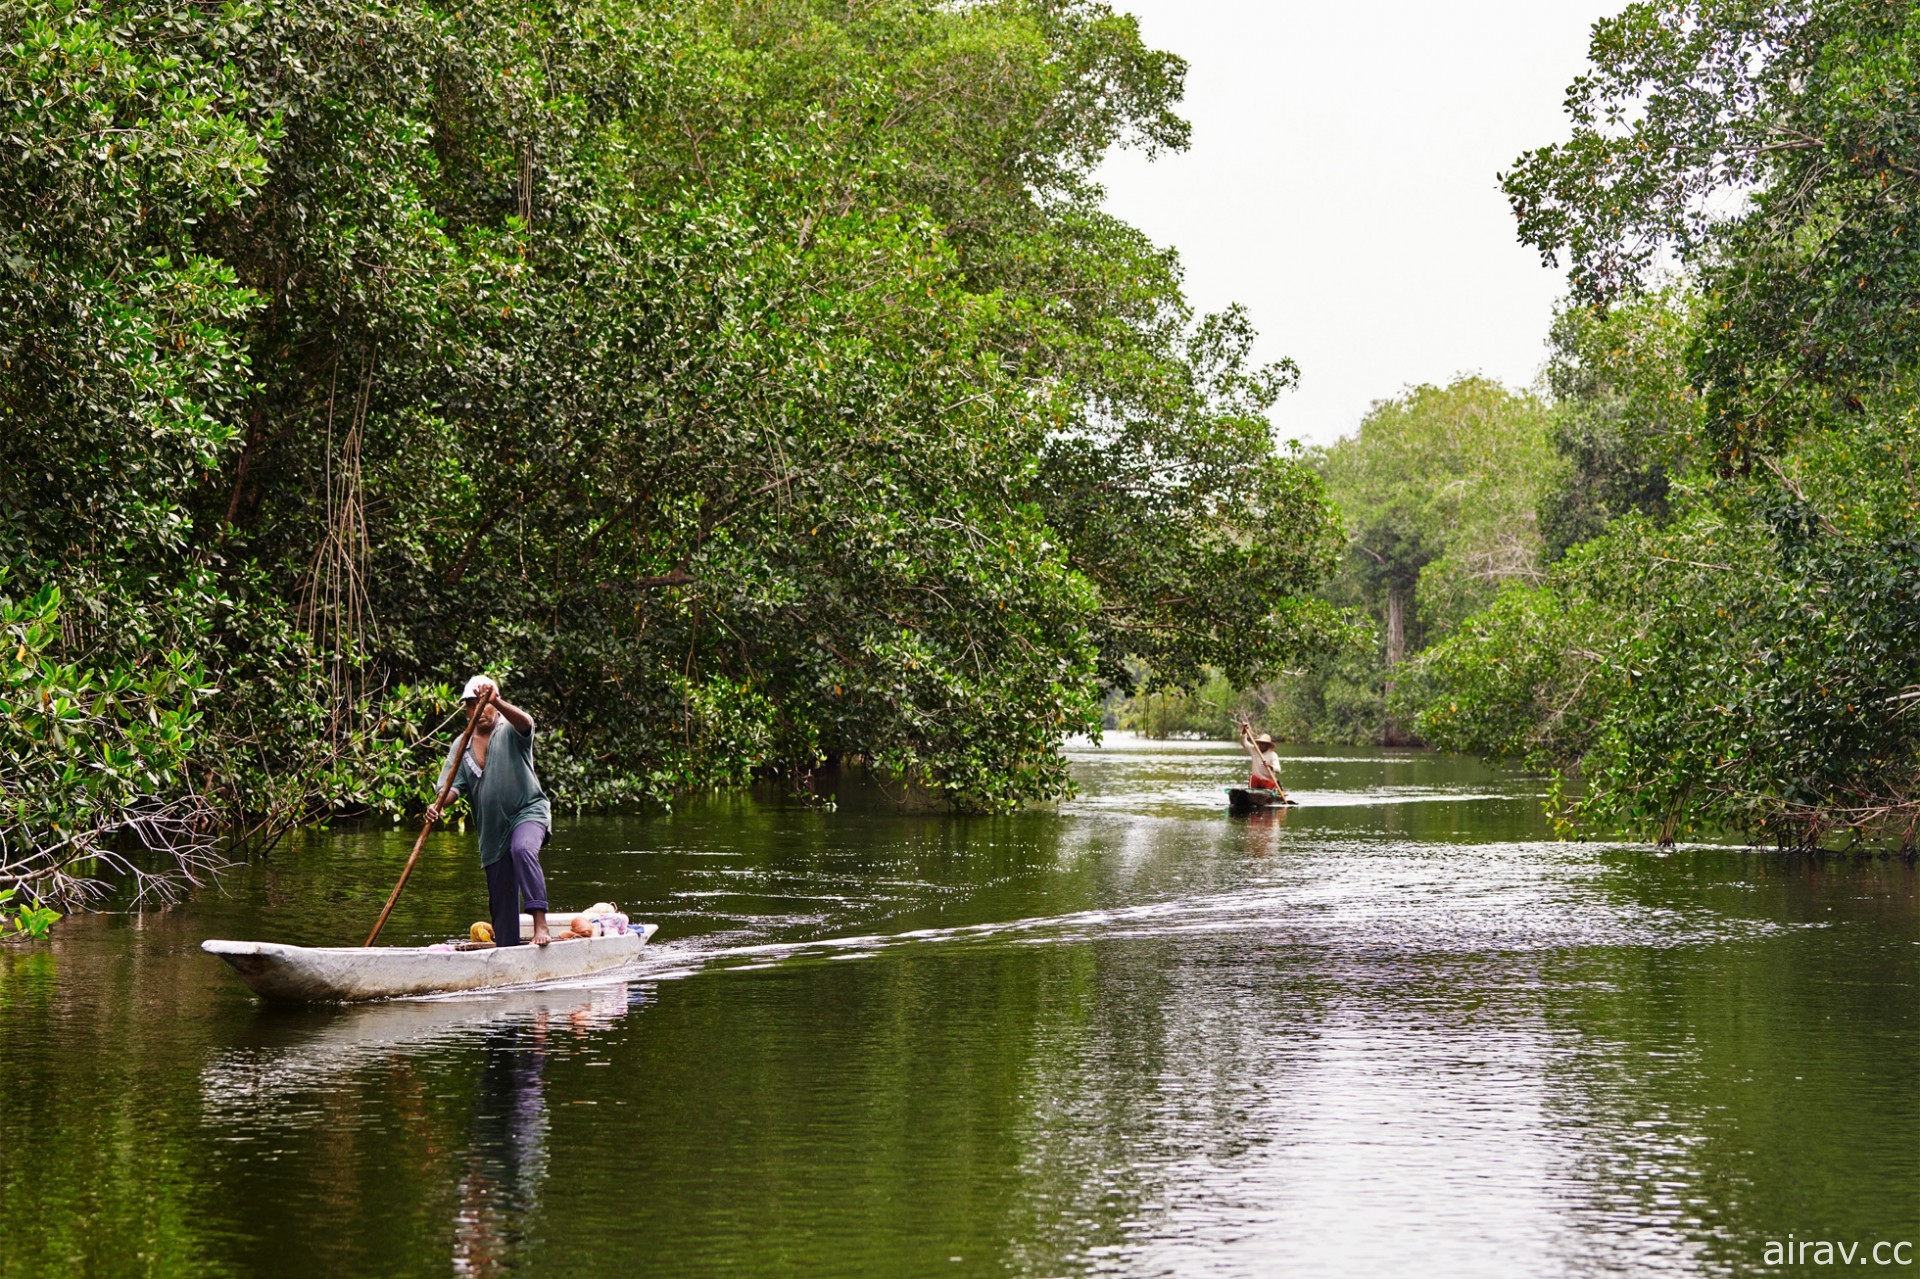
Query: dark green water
[1395, 1031]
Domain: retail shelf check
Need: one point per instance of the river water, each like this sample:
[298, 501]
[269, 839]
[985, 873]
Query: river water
[1397, 1030]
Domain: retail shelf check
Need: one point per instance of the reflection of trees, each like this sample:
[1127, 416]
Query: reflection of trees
[435, 1108]
[86, 1087]
[1161, 1075]
[507, 1158]
[1754, 1081]
[1163, 1056]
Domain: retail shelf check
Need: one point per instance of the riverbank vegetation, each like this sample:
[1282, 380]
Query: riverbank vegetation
[1736, 648]
[1440, 493]
[754, 387]
[1713, 626]
[1438, 489]
[747, 386]
[1685, 574]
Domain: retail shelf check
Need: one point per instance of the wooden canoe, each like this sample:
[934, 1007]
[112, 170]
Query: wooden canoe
[348, 974]
[1242, 800]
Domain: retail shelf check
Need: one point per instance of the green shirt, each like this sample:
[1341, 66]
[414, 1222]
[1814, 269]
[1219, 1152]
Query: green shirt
[505, 792]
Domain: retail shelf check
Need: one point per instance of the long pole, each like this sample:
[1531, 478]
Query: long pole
[446, 789]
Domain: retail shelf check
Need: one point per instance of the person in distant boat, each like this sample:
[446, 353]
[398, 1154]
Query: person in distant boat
[509, 808]
[1266, 764]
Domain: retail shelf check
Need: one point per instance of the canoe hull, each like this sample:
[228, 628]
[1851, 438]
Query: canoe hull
[349, 974]
[1242, 800]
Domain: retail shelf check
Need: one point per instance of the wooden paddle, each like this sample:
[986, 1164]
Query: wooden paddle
[446, 789]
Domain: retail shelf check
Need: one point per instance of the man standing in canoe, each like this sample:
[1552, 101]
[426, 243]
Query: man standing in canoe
[1266, 764]
[509, 809]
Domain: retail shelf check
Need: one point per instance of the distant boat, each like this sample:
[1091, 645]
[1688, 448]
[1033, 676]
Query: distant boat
[348, 974]
[1242, 800]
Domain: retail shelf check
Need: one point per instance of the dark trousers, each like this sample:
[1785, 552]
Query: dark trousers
[515, 881]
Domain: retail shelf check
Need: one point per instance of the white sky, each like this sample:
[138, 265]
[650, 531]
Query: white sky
[1342, 183]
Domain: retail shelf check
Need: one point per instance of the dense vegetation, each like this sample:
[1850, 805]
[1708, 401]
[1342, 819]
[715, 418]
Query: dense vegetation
[746, 386]
[1441, 492]
[1438, 489]
[1687, 576]
[756, 386]
[1730, 641]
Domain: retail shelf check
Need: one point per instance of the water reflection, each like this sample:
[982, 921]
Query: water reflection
[1262, 828]
[506, 1159]
[294, 1079]
[284, 1058]
[1397, 1031]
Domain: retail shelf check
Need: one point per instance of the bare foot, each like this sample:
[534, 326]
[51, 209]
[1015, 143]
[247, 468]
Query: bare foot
[541, 937]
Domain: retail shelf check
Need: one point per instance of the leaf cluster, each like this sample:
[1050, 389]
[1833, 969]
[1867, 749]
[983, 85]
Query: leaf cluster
[1437, 492]
[1728, 643]
[752, 386]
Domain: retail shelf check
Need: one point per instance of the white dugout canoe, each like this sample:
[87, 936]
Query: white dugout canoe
[347, 974]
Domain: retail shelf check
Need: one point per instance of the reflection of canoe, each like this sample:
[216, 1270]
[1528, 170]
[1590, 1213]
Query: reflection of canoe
[285, 1056]
[348, 973]
[1242, 800]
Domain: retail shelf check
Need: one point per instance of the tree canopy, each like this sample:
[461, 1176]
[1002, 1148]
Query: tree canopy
[1770, 147]
[746, 385]
[1437, 491]
[1734, 649]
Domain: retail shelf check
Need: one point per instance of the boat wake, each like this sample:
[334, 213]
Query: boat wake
[1431, 918]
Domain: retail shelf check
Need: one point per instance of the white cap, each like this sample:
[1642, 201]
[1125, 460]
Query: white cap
[472, 689]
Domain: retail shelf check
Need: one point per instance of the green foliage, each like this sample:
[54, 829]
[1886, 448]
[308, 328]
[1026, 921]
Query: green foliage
[1746, 667]
[1174, 506]
[1438, 491]
[1501, 686]
[751, 385]
[28, 919]
[1213, 709]
[1730, 646]
[1340, 696]
[1624, 413]
[1771, 695]
[96, 759]
[1774, 147]
[120, 343]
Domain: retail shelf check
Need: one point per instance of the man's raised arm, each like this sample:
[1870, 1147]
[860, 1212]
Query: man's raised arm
[521, 721]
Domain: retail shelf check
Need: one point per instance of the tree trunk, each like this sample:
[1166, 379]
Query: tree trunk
[1390, 734]
[1396, 627]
